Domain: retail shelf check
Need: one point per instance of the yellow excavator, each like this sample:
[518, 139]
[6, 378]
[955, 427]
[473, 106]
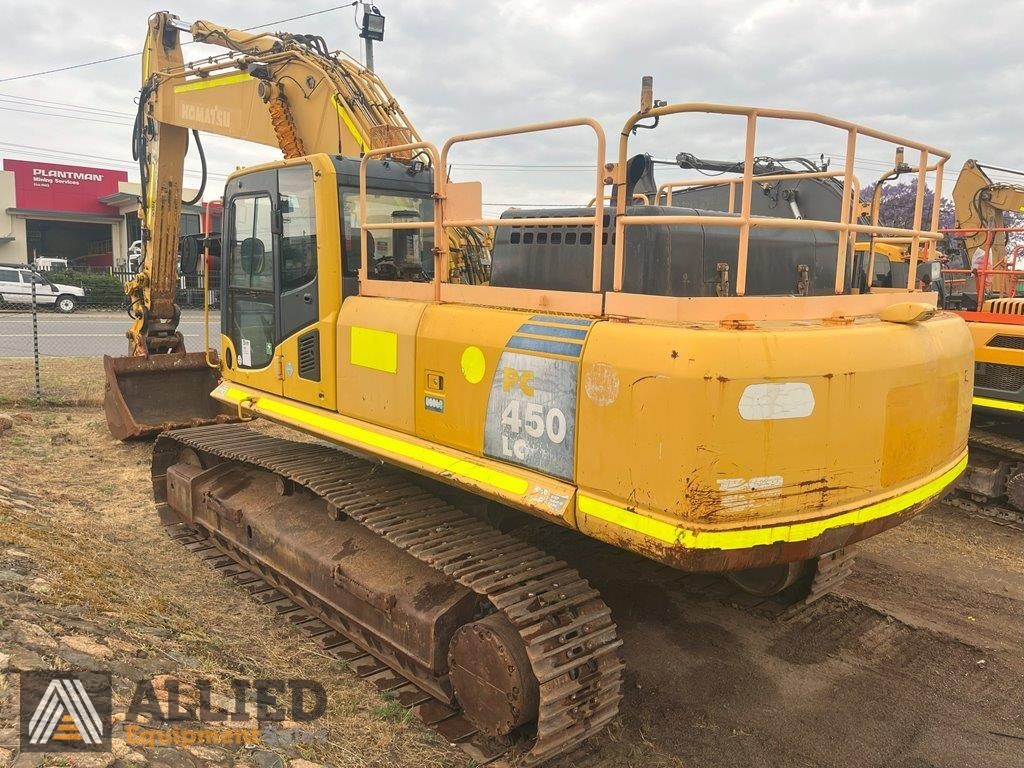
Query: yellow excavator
[704, 389]
[983, 290]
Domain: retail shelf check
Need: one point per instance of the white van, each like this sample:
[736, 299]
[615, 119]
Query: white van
[47, 264]
[16, 288]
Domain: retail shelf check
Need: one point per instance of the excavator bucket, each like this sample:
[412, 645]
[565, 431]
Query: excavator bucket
[146, 396]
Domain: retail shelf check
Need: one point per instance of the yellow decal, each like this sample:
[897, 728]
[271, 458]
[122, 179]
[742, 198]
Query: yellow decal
[473, 365]
[1003, 405]
[211, 82]
[374, 349]
[758, 537]
[350, 124]
[511, 378]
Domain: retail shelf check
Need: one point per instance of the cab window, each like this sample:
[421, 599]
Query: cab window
[883, 271]
[298, 226]
[399, 254]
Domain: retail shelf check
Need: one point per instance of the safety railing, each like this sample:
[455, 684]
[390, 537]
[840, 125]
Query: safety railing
[452, 211]
[994, 273]
[548, 300]
[630, 304]
[401, 289]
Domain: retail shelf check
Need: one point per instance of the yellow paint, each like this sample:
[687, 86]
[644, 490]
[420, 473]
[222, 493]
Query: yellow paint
[384, 393]
[442, 338]
[1003, 405]
[675, 432]
[331, 425]
[757, 537]
[376, 349]
[474, 365]
[211, 82]
[915, 415]
[347, 120]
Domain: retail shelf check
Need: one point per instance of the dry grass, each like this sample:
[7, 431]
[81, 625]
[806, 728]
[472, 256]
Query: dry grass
[98, 541]
[63, 381]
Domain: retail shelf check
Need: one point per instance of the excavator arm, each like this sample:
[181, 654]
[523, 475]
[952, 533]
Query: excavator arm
[280, 90]
[981, 204]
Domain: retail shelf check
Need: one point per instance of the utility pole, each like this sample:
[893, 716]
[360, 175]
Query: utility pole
[372, 30]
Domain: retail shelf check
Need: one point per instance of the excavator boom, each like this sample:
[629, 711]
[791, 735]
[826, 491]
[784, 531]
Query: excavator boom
[280, 90]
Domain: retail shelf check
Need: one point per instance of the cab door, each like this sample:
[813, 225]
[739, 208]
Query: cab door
[250, 284]
[304, 339]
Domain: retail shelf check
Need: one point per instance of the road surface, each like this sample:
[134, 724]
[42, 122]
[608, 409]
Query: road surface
[87, 334]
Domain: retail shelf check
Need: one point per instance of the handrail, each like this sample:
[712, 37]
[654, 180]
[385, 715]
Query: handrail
[616, 302]
[597, 220]
[745, 222]
[366, 285]
[984, 271]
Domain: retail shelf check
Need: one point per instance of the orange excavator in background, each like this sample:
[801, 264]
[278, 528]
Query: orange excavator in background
[983, 287]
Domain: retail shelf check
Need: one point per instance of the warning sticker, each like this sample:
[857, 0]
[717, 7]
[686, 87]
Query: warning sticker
[246, 353]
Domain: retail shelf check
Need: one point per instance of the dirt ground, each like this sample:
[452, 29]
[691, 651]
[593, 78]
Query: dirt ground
[916, 663]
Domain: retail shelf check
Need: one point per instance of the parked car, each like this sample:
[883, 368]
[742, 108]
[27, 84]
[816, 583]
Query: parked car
[16, 288]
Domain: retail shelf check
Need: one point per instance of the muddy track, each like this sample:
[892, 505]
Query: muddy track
[568, 637]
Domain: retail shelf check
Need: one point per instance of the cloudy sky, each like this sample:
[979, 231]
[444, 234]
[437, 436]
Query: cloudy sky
[944, 71]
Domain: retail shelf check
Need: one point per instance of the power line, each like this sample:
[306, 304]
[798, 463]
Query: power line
[67, 117]
[139, 53]
[70, 66]
[24, 149]
[65, 105]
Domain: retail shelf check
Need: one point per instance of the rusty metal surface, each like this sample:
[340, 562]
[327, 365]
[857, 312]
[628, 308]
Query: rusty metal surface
[144, 396]
[492, 676]
[566, 633]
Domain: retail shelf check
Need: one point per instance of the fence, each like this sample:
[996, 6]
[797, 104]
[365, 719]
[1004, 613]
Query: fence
[52, 342]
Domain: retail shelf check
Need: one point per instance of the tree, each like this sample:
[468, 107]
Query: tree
[897, 205]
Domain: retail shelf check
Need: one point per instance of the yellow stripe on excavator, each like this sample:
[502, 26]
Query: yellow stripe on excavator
[347, 120]
[755, 537]
[211, 82]
[333, 425]
[1002, 405]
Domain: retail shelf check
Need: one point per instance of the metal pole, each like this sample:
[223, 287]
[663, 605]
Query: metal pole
[369, 54]
[35, 343]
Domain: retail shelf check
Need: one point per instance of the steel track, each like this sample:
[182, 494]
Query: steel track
[1009, 448]
[570, 639]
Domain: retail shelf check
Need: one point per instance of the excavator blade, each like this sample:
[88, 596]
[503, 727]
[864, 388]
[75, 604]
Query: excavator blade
[146, 396]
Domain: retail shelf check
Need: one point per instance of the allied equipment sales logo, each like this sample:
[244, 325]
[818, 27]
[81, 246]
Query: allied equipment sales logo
[65, 711]
[72, 711]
